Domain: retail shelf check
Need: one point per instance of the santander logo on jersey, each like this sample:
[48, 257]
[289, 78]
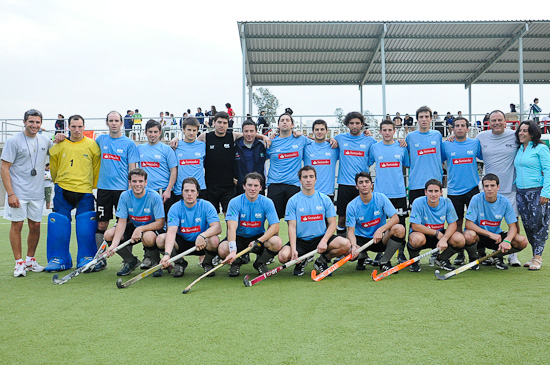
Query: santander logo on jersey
[370, 223]
[110, 156]
[311, 217]
[384, 165]
[249, 224]
[460, 161]
[426, 151]
[145, 218]
[194, 229]
[437, 227]
[189, 162]
[485, 222]
[150, 164]
[354, 153]
[320, 162]
[283, 156]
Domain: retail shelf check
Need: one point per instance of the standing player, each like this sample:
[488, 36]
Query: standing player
[499, 148]
[485, 213]
[140, 217]
[323, 158]
[192, 222]
[463, 179]
[307, 214]
[354, 157]
[426, 157]
[250, 155]
[366, 219]
[74, 164]
[22, 171]
[428, 216]
[390, 159]
[119, 155]
[245, 219]
[285, 159]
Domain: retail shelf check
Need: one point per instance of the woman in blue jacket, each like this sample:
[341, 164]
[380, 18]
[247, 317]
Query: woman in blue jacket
[532, 165]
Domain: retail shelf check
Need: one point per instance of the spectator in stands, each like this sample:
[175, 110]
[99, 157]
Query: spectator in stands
[436, 117]
[486, 122]
[535, 110]
[408, 122]
[128, 122]
[137, 118]
[60, 124]
[231, 114]
[512, 108]
[200, 116]
[211, 114]
[262, 122]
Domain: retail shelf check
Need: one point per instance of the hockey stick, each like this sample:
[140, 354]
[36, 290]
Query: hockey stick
[341, 262]
[401, 266]
[100, 254]
[148, 272]
[464, 267]
[186, 290]
[264, 276]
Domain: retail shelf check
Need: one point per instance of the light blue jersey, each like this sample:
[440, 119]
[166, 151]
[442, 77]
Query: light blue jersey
[116, 155]
[157, 160]
[462, 165]
[425, 156]
[367, 218]
[354, 156]
[310, 213]
[140, 211]
[389, 160]
[285, 159]
[489, 215]
[434, 218]
[192, 221]
[251, 216]
[323, 158]
[190, 158]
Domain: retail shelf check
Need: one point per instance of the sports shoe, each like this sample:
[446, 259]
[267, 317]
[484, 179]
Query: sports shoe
[337, 258]
[320, 265]
[386, 266]
[401, 258]
[415, 267]
[475, 267]
[376, 261]
[179, 268]
[101, 265]
[460, 259]
[20, 269]
[262, 268]
[245, 259]
[147, 263]
[207, 268]
[499, 263]
[431, 260]
[128, 267]
[444, 264]
[299, 268]
[490, 261]
[215, 261]
[513, 260]
[234, 270]
[362, 261]
[32, 265]
[56, 264]
[158, 273]
[270, 261]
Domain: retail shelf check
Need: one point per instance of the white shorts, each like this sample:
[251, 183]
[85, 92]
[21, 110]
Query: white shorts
[31, 209]
[512, 198]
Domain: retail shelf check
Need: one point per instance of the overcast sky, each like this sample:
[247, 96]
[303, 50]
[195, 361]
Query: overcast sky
[90, 57]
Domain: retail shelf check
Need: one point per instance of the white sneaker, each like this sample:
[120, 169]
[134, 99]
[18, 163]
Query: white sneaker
[20, 269]
[513, 260]
[33, 266]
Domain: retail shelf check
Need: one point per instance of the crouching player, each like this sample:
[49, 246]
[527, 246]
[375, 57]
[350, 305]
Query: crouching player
[192, 222]
[366, 220]
[245, 218]
[140, 217]
[306, 213]
[428, 216]
[483, 219]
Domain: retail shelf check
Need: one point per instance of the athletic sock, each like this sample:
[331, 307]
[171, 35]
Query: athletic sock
[126, 254]
[391, 247]
[472, 252]
[29, 258]
[265, 256]
[447, 253]
[154, 254]
[208, 256]
[18, 261]
[412, 251]
[341, 228]
[99, 237]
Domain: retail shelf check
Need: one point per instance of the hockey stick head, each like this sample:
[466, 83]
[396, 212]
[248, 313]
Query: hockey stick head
[439, 276]
[246, 281]
[374, 273]
[313, 274]
[185, 291]
[119, 284]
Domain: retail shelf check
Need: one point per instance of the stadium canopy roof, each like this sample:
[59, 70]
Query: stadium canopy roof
[396, 53]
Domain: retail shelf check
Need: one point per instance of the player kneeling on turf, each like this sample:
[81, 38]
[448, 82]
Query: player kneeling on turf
[366, 220]
[140, 215]
[307, 213]
[483, 218]
[245, 218]
[428, 216]
[191, 222]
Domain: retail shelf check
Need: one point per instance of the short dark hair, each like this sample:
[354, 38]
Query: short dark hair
[137, 171]
[462, 118]
[490, 177]
[128, 111]
[32, 113]
[76, 117]
[151, 123]
[534, 131]
[289, 115]
[306, 168]
[536, 99]
[387, 122]
[354, 115]
[111, 112]
[319, 122]
[222, 115]
[433, 182]
[191, 180]
[136, 111]
[190, 121]
[362, 174]
[254, 176]
[497, 111]
[227, 105]
[248, 122]
[423, 109]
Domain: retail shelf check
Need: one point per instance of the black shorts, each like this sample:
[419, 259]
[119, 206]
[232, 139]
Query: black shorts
[280, 194]
[401, 204]
[414, 194]
[486, 242]
[407, 123]
[220, 195]
[129, 231]
[346, 193]
[243, 242]
[376, 247]
[431, 241]
[184, 245]
[303, 246]
[459, 201]
[107, 202]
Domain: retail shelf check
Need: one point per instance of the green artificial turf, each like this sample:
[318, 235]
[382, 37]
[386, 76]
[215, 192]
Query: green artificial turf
[487, 316]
